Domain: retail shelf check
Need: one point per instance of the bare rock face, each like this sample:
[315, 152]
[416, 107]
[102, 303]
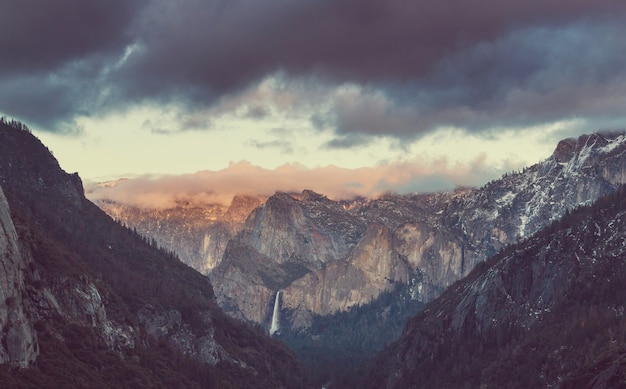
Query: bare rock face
[372, 267]
[79, 302]
[19, 340]
[311, 231]
[198, 234]
[170, 324]
[281, 241]
[220, 232]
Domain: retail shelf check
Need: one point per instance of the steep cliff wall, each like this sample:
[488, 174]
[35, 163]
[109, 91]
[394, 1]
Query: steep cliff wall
[197, 233]
[372, 267]
[311, 231]
[19, 340]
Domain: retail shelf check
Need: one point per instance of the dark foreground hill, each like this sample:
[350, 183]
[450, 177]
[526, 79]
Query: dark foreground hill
[86, 302]
[547, 312]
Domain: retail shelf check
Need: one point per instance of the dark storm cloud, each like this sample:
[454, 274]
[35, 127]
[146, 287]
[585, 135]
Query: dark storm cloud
[420, 64]
[525, 77]
[220, 46]
[41, 35]
[50, 49]
[38, 100]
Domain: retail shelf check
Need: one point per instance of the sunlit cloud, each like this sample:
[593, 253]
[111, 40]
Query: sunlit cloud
[208, 187]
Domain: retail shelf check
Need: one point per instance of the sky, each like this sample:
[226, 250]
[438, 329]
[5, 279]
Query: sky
[208, 98]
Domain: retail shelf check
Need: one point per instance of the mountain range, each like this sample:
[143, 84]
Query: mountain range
[328, 256]
[197, 233]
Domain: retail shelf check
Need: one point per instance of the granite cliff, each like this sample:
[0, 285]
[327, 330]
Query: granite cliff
[197, 233]
[19, 340]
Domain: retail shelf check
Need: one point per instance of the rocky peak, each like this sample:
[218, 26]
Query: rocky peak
[309, 196]
[565, 150]
[241, 206]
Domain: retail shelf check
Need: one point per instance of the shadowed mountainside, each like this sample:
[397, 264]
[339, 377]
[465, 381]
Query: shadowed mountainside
[547, 312]
[100, 307]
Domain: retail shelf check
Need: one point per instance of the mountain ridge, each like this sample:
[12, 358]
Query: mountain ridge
[96, 294]
[538, 314]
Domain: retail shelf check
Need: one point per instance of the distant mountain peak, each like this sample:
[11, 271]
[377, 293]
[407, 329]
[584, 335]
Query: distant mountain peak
[599, 142]
[309, 195]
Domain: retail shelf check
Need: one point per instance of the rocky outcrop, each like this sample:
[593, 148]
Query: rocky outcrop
[19, 340]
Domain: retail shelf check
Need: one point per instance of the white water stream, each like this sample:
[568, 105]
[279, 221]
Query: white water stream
[275, 325]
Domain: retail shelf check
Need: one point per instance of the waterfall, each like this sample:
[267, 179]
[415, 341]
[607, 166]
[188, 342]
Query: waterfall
[275, 325]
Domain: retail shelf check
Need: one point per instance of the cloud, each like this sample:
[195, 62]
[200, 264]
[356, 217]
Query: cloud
[224, 46]
[41, 100]
[285, 147]
[524, 78]
[37, 36]
[52, 54]
[361, 68]
[208, 187]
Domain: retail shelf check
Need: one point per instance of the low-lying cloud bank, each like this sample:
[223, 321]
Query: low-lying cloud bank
[210, 187]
